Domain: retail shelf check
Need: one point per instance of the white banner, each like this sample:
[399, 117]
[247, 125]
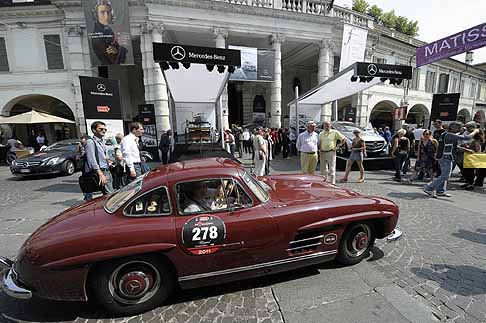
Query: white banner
[113, 127]
[353, 46]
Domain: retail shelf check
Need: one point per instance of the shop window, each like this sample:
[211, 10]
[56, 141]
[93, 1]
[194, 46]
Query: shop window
[153, 203]
[454, 85]
[53, 48]
[443, 83]
[3, 56]
[462, 86]
[472, 90]
[430, 82]
[416, 79]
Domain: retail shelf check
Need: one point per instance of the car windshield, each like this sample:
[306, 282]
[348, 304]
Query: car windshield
[119, 198]
[258, 188]
[346, 127]
[62, 146]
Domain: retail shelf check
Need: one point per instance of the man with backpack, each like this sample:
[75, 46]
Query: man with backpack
[446, 151]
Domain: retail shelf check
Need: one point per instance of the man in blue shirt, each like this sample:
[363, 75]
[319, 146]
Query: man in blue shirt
[445, 155]
[96, 158]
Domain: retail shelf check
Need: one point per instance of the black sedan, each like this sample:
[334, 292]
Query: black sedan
[62, 157]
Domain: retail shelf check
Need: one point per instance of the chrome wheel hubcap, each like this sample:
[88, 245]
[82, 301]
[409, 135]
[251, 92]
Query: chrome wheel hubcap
[359, 240]
[134, 282]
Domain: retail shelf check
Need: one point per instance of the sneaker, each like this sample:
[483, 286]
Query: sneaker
[430, 193]
[444, 194]
[469, 188]
[397, 179]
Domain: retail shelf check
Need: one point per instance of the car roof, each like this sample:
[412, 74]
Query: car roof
[192, 169]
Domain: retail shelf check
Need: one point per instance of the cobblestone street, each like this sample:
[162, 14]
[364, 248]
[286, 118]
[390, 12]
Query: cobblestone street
[435, 272]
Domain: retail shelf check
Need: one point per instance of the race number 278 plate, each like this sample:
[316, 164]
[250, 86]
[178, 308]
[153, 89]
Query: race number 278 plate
[203, 235]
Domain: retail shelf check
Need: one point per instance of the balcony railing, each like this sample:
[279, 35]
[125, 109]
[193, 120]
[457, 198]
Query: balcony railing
[313, 7]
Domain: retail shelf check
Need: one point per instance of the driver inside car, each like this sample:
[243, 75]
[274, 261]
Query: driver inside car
[201, 197]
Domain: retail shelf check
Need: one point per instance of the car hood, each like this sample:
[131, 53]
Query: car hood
[304, 188]
[43, 155]
[67, 223]
[365, 135]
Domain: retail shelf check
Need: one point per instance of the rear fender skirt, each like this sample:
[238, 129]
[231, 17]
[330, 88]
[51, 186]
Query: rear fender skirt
[344, 219]
[109, 254]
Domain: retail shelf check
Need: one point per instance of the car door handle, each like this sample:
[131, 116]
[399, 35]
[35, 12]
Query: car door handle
[234, 245]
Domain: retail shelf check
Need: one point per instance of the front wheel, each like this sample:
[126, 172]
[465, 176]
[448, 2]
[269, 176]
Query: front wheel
[68, 167]
[133, 285]
[355, 243]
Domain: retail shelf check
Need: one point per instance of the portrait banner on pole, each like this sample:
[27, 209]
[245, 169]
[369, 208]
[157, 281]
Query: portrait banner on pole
[108, 28]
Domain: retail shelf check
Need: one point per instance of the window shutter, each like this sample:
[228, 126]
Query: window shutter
[3, 56]
[53, 47]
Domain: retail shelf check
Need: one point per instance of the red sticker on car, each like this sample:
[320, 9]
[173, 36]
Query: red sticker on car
[203, 235]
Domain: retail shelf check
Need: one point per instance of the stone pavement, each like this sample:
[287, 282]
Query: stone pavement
[436, 272]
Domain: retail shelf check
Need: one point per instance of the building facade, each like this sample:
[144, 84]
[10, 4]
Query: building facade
[44, 49]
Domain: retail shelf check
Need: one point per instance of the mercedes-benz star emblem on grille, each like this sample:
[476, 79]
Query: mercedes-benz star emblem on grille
[178, 53]
[372, 69]
[101, 87]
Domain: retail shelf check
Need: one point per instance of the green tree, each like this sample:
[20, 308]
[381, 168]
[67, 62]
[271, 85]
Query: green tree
[360, 6]
[412, 28]
[401, 24]
[389, 19]
[375, 12]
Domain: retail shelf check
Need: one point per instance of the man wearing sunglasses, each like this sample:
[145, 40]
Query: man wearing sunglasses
[96, 158]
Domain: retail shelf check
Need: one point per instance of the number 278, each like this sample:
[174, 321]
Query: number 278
[202, 233]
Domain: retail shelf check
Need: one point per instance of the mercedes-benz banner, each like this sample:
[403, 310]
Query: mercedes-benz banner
[445, 106]
[101, 102]
[108, 28]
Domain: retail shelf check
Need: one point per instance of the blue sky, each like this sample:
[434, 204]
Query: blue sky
[440, 18]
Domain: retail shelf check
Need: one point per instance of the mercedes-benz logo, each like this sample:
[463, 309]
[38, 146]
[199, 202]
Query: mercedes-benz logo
[178, 53]
[372, 69]
[101, 87]
[133, 286]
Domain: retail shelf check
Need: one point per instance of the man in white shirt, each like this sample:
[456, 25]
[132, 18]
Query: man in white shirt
[131, 152]
[308, 145]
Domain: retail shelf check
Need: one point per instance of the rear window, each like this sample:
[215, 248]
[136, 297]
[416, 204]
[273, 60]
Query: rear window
[122, 196]
[258, 188]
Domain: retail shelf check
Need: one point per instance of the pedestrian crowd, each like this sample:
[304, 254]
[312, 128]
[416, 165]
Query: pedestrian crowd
[437, 153]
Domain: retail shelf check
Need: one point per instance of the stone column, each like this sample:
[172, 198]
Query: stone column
[220, 35]
[153, 79]
[360, 102]
[78, 63]
[326, 47]
[276, 86]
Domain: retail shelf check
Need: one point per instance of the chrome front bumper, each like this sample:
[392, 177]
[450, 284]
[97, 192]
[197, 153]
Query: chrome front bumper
[8, 283]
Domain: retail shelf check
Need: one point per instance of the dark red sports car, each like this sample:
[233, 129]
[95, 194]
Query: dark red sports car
[191, 224]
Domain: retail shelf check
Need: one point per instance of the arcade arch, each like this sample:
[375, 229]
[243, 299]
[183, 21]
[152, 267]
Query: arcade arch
[41, 103]
[463, 115]
[480, 117]
[382, 115]
[418, 115]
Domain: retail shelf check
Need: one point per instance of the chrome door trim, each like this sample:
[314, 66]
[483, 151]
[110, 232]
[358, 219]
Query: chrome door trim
[258, 266]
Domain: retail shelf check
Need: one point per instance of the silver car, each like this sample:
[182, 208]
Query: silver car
[376, 145]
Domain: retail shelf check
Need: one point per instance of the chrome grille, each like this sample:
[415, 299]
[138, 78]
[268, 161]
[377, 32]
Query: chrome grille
[374, 145]
[305, 242]
[27, 164]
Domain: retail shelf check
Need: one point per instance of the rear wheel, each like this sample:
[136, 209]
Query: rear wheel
[133, 285]
[68, 167]
[355, 243]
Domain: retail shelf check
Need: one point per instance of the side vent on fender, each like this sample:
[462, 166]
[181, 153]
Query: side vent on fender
[305, 242]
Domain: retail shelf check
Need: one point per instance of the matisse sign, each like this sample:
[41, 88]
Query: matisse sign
[467, 40]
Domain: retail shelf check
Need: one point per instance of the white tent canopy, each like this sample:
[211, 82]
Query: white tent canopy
[195, 84]
[337, 87]
[196, 91]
